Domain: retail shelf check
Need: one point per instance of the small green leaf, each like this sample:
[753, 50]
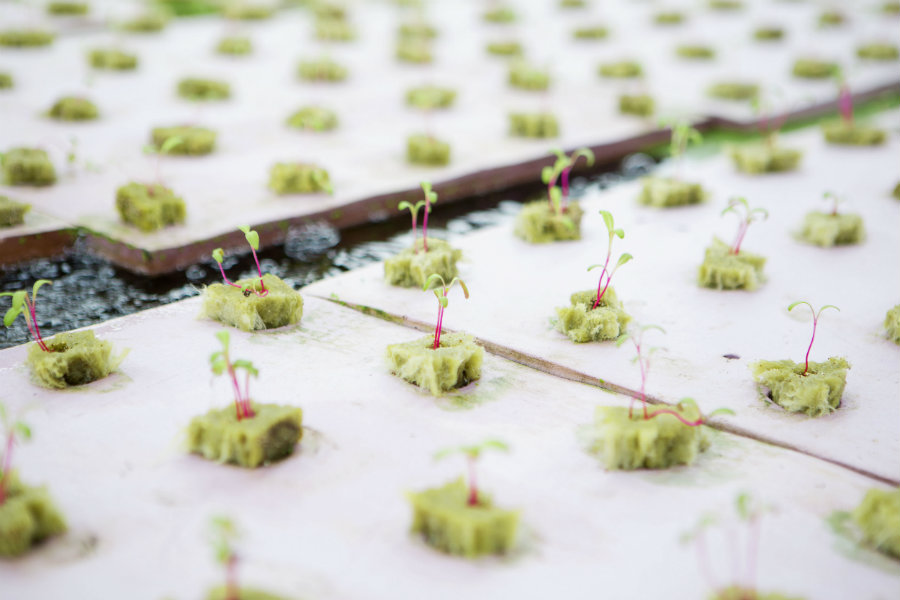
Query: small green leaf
[246, 365]
[590, 268]
[444, 301]
[218, 255]
[320, 176]
[23, 429]
[426, 187]
[556, 198]
[623, 259]
[547, 174]
[720, 411]
[608, 221]
[252, 239]
[462, 284]
[622, 339]
[587, 153]
[10, 317]
[224, 337]
[742, 503]
[38, 285]
[433, 278]
[149, 149]
[795, 304]
[404, 205]
[171, 143]
[619, 233]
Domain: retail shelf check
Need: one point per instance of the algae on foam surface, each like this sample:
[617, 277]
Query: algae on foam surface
[538, 223]
[533, 125]
[25, 38]
[266, 437]
[641, 105]
[810, 68]
[75, 358]
[828, 229]
[892, 324]
[429, 97]
[585, 324]
[666, 192]
[313, 118]
[11, 212]
[764, 157]
[27, 517]
[149, 206]
[323, 69]
[447, 522]
[298, 178]
[203, 90]
[657, 443]
[817, 393]
[625, 69]
[723, 270]
[195, 141]
[112, 59]
[527, 77]
[878, 51]
[878, 518]
[851, 134]
[733, 90]
[229, 305]
[454, 364]
[235, 45]
[423, 149]
[412, 267]
[27, 166]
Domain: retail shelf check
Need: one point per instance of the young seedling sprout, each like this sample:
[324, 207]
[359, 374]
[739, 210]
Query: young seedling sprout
[253, 239]
[739, 205]
[624, 258]
[13, 430]
[414, 212]
[166, 147]
[441, 294]
[768, 126]
[472, 454]
[815, 324]
[21, 303]
[430, 198]
[223, 534]
[845, 98]
[683, 135]
[835, 201]
[560, 170]
[220, 362]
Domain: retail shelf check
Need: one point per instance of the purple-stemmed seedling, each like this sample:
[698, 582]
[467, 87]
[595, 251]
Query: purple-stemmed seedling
[220, 362]
[253, 239]
[414, 212]
[815, 324]
[845, 98]
[624, 258]
[738, 205]
[768, 126]
[21, 303]
[566, 164]
[430, 198]
[166, 147]
[13, 430]
[835, 201]
[683, 135]
[472, 454]
[223, 534]
[441, 294]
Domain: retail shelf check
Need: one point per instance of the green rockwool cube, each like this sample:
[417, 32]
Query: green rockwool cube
[112, 59]
[147, 23]
[447, 522]
[298, 178]
[583, 324]
[429, 97]
[538, 223]
[28, 516]
[323, 9]
[572, 3]
[25, 38]
[768, 34]
[414, 50]
[68, 9]
[695, 51]
[810, 68]
[633, 442]
[764, 158]
[896, 192]
[595, 32]
[73, 108]
[195, 141]
[417, 30]
[891, 7]
[878, 51]
[229, 305]
[203, 90]
[12, 212]
[6, 81]
[851, 134]
[666, 192]
[323, 69]
[505, 48]
[502, 14]
[668, 18]
[722, 270]
[313, 118]
[334, 30]
[625, 69]
[266, 437]
[423, 149]
[726, 4]
[892, 324]
[149, 206]
[533, 125]
[734, 91]
[878, 518]
[235, 45]
[827, 229]
[817, 393]
[526, 77]
[453, 365]
[27, 166]
[412, 266]
[641, 105]
[831, 18]
[735, 592]
[243, 593]
[245, 11]
[75, 358]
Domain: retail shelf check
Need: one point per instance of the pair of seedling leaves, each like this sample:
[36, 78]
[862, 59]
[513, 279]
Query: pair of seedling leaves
[559, 197]
[22, 304]
[252, 238]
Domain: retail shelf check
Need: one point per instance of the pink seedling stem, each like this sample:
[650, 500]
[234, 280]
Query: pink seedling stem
[624, 258]
[472, 454]
[223, 534]
[683, 135]
[845, 103]
[559, 171]
[430, 198]
[13, 430]
[835, 201]
[166, 147]
[221, 363]
[414, 212]
[815, 324]
[739, 205]
[253, 239]
[768, 126]
[22, 304]
[440, 293]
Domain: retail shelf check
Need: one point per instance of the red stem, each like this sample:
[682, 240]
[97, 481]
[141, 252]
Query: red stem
[736, 557]
[7, 460]
[815, 323]
[703, 559]
[845, 103]
[601, 292]
[232, 284]
[31, 323]
[742, 231]
[565, 188]
[425, 224]
[262, 284]
[751, 558]
[437, 331]
[248, 410]
[231, 586]
[550, 186]
[415, 233]
[677, 415]
[473, 487]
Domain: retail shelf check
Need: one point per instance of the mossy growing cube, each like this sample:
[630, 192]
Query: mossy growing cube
[572, 3]
[582, 323]
[417, 30]
[641, 105]
[628, 442]
[533, 125]
[539, 223]
[831, 18]
[828, 229]
[726, 5]
[625, 69]
[322, 69]
[892, 324]
[149, 206]
[248, 11]
[281, 306]
[203, 90]
[414, 50]
[11, 212]
[878, 519]
[299, 178]
[878, 51]
[235, 45]
[500, 14]
[313, 118]
[25, 38]
[594, 32]
[817, 393]
[334, 30]
[27, 166]
[733, 90]
[430, 97]
[112, 59]
[667, 192]
[891, 7]
[695, 52]
[68, 9]
[28, 516]
[411, 267]
[810, 68]
[6, 81]
[268, 436]
[734, 592]
[723, 270]
[846, 133]
[446, 520]
[764, 158]
[195, 141]
[768, 34]
[668, 17]
[424, 149]
[75, 358]
[150, 22]
[527, 77]
[73, 108]
[505, 48]
[456, 363]
[243, 593]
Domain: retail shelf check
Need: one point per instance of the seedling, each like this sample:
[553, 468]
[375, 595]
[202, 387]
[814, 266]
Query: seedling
[14, 430]
[221, 362]
[560, 170]
[253, 239]
[683, 135]
[441, 295]
[624, 258]
[472, 454]
[835, 201]
[223, 534]
[430, 197]
[768, 126]
[815, 324]
[739, 205]
[845, 98]
[160, 151]
[22, 304]
[414, 212]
